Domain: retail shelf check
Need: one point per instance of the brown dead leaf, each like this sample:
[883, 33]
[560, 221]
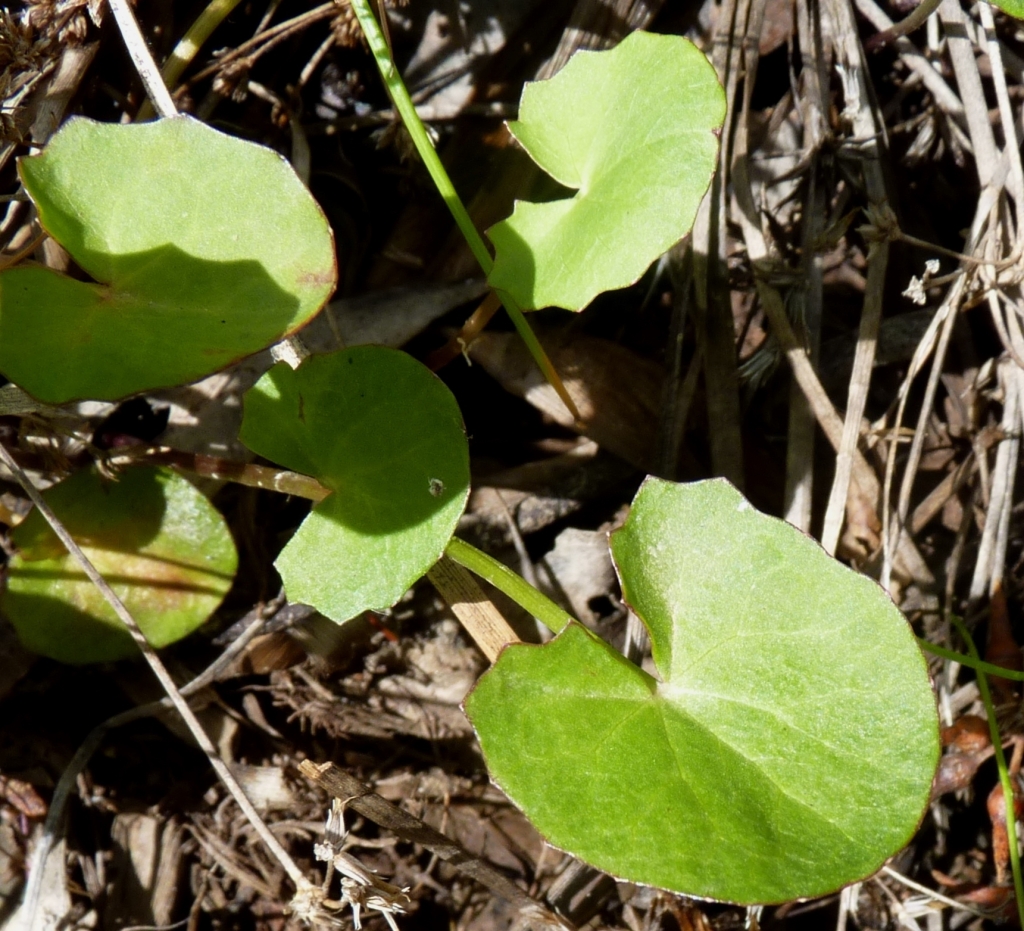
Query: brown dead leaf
[22, 796]
[968, 745]
[617, 392]
[969, 734]
[1002, 648]
[1000, 841]
[997, 901]
[956, 771]
[779, 22]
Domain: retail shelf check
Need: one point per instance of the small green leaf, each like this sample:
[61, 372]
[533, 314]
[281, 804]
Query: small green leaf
[1014, 7]
[164, 549]
[633, 129]
[386, 436]
[206, 248]
[788, 746]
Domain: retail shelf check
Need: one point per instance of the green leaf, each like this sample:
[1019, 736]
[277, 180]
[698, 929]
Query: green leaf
[206, 248]
[164, 549]
[788, 746]
[386, 436]
[633, 129]
[1014, 7]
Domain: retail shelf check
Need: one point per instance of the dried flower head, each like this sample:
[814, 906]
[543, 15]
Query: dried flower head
[361, 888]
[64, 22]
[233, 80]
[915, 291]
[346, 29]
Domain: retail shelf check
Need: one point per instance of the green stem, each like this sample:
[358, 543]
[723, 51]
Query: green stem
[505, 580]
[188, 47]
[1009, 797]
[978, 665]
[407, 111]
[418, 132]
[195, 38]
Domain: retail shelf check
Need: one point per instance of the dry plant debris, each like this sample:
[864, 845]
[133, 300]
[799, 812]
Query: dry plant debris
[857, 268]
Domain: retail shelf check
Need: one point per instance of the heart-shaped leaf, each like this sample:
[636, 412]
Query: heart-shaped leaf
[206, 248]
[633, 130]
[788, 746]
[153, 536]
[386, 435]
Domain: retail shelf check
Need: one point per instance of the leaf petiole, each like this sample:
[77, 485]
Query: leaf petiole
[418, 132]
[507, 581]
[188, 47]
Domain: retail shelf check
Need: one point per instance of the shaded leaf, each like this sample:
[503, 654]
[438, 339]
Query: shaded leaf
[164, 549]
[205, 248]
[617, 391]
[386, 436]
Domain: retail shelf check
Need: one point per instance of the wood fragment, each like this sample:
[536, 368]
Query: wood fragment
[472, 607]
[62, 86]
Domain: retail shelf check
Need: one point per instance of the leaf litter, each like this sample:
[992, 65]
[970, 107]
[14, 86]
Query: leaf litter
[786, 273]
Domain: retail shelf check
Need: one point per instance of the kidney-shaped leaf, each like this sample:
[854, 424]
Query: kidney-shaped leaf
[164, 549]
[633, 130]
[386, 436]
[787, 747]
[205, 248]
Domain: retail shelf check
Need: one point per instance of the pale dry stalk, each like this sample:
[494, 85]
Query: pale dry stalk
[868, 127]
[142, 59]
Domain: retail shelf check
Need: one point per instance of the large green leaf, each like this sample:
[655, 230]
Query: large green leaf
[160, 544]
[787, 747]
[205, 248]
[386, 436]
[634, 131]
